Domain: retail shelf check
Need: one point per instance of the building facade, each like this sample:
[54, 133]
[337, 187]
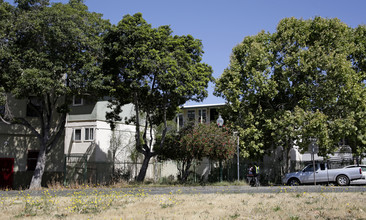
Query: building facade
[88, 151]
[199, 113]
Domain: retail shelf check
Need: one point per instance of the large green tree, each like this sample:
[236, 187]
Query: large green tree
[357, 135]
[6, 11]
[52, 52]
[157, 72]
[305, 80]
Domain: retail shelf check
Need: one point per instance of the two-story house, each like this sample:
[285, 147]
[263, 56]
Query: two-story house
[88, 150]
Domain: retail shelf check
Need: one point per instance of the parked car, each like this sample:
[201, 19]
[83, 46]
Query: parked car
[323, 174]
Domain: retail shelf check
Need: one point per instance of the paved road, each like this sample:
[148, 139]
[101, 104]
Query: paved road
[189, 190]
[359, 182]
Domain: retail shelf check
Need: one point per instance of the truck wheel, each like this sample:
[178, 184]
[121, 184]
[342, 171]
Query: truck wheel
[293, 182]
[342, 180]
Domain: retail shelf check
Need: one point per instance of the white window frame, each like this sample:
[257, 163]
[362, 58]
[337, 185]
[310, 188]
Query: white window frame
[202, 115]
[74, 134]
[89, 134]
[76, 97]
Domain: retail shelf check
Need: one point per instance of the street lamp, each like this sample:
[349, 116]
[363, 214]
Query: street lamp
[237, 154]
[220, 123]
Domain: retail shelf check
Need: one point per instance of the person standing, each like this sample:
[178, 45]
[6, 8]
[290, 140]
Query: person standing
[256, 174]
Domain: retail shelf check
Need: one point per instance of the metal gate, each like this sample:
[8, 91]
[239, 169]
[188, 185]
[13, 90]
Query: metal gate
[75, 168]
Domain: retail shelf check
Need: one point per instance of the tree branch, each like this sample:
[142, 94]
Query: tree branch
[5, 121]
[22, 121]
[137, 123]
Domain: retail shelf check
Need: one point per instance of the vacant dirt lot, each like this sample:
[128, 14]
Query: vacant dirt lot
[139, 204]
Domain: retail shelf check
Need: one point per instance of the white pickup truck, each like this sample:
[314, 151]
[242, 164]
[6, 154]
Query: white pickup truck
[341, 176]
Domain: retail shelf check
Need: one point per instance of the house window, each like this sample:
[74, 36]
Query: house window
[32, 160]
[83, 134]
[77, 100]
[77, 134]
[33, 107]
[191, 115]
[89, 134]
[202, 115]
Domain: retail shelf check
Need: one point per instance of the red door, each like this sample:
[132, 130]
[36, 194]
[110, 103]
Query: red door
[6, 172]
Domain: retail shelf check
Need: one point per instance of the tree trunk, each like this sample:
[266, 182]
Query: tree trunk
[185, 172]
[39, 170]
[145, 165]
[286, 160]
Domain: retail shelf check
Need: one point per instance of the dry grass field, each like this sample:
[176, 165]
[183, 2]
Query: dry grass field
[139, 204]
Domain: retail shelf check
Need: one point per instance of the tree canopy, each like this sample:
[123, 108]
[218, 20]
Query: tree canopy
[154, 70]
[304, 81]
[5, 23]
[195, 142]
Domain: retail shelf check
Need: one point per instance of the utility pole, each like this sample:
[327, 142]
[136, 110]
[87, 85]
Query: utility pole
[220, 123]
[313, 149]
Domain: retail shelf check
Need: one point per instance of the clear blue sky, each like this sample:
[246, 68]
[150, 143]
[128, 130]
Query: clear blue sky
[223, 24]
